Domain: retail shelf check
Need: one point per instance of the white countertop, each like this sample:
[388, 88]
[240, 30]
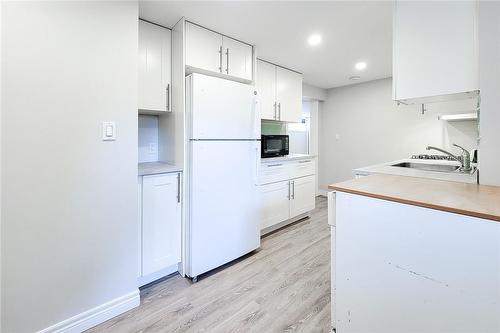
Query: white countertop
[153, 168]
[387, 168]
[290, 157]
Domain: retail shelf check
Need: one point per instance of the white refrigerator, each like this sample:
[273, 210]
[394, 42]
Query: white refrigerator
[222, 212]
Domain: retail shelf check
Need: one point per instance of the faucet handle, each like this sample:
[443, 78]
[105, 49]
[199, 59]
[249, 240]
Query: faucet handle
[465, 158]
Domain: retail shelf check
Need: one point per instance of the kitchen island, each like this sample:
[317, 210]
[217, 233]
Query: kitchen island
[415, 255]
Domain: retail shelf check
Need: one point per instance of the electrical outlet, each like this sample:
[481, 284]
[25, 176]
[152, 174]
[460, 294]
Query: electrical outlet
[153, 148]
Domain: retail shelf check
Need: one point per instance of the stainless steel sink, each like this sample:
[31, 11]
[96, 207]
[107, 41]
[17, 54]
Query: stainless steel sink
[428, 167]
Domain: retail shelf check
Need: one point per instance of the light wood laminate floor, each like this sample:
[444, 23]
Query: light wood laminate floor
[283, 287]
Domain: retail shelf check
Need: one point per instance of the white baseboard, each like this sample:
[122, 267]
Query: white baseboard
[97, 315]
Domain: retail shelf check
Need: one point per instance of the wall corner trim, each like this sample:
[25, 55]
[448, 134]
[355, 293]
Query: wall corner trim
[97, 315]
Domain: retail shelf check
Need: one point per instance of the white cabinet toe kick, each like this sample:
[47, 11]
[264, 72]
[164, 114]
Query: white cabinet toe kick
[279, 225]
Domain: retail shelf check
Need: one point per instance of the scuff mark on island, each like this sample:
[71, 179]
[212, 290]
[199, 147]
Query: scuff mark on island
[418, 274]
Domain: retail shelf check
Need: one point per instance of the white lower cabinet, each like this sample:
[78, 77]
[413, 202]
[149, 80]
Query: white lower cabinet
[139, 226]
[285, 200]
[275, 206]
[160, 225]
[302, 197]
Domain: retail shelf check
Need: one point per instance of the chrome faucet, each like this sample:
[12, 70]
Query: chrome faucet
[464, 160]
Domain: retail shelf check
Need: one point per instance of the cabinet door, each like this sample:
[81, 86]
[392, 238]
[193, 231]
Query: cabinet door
[139, 226]
[161, 222]
[275, 203]
[265, 82]
[154, 68]
[435, 49]
[237, 58]
[302, 195]
[203, 48]
[289, 95]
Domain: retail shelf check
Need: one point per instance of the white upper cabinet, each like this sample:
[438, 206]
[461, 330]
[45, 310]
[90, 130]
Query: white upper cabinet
[238, 58]
[154, 68]
[280, 92]
[289, 95]
[211, 53]
[435, 51]
[266, 89]
[203, 49]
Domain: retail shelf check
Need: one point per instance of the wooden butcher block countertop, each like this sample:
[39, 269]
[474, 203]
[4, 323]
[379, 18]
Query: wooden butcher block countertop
[467, 199]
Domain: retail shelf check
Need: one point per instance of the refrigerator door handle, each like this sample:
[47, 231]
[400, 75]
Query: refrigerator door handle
[178, 188]
[256, 116]
[257, 160]
[168, 98]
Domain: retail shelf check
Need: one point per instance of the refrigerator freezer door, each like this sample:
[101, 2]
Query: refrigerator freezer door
[221, 109]
[223, 208]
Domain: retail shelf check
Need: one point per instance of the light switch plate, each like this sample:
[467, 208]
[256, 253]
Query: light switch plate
[108, 131]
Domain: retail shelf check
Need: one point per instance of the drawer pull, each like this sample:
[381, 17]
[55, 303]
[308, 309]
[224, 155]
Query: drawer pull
[274, 165]
[305, 161]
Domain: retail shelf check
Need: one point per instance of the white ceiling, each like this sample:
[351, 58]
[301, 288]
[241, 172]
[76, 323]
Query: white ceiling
[352, 31]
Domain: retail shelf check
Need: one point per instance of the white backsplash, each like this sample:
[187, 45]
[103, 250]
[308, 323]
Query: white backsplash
[148, 138]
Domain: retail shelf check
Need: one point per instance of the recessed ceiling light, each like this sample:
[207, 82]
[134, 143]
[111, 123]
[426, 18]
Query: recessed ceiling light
[314, 39]
[360, 65]
[355, 77]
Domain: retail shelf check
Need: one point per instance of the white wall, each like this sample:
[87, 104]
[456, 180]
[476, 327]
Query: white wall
[489, 83]
[1, 187]
[372, 129]
[299, 132]
[313, 136]
[69, 218]
[148, 138]
[313, 92]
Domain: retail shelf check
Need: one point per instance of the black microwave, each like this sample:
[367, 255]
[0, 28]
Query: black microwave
[274, 145]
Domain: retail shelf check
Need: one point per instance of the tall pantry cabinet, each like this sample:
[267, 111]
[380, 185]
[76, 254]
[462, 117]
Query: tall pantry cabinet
[159, 194]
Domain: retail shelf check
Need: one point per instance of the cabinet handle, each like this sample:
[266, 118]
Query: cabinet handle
[279, 111]
[275, 109]
[227, 61]
[274, 165]
[307, 161]
[178, 188]
[289, 185]
[168, 97]
[220, 58]
[293, 190]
